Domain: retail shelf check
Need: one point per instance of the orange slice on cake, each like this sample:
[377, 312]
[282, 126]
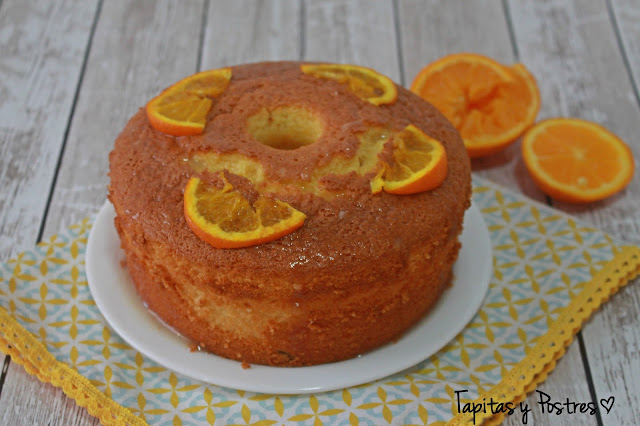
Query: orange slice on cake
[181, 109]
[365, 83]
[224, 218]
[576, 161]
[419, 164]
[491, 105]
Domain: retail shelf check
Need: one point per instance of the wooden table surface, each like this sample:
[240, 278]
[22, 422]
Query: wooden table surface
[72, 72]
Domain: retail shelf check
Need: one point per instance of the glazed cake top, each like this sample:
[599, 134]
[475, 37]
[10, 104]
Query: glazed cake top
[326, 176]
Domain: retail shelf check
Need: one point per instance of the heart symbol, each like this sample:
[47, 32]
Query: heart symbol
[607, 404]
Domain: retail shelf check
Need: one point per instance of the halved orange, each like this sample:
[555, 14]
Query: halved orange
[181, 109]
[419, 164]
[491, 105]
[576, 161]
[224, 218]
[364, 82]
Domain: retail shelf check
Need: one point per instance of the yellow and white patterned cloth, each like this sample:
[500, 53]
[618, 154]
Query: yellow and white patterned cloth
[550, 273]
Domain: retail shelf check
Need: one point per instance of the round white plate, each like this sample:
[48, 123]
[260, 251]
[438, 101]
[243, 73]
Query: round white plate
[120, 304]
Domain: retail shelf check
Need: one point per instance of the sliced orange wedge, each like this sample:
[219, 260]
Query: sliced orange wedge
[576, 161]
[181, 109]
[491, 105]
[419, 164]
[365, 83]
[223, 218]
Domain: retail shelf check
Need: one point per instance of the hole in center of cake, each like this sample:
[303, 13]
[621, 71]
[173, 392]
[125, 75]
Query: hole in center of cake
[286, 127]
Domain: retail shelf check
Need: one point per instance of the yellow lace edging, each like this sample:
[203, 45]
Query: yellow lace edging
[533, 370]
[26, 350]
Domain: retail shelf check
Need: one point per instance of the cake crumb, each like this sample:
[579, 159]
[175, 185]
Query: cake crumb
[245, 365]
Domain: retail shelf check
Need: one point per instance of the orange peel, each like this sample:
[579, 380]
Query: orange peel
[365, 83]
[491, 105]
[576, 161]
[181, 109]
[419, 164]
[224, 218]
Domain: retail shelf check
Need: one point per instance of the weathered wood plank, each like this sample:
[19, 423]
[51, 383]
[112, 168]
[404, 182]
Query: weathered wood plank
[43, 45]
[27, 401]
[626, 16]
[613, 343]
[572, 48]
[249, 31]
[433, 29]
[139, 48]
[359, 32]
[426, 34]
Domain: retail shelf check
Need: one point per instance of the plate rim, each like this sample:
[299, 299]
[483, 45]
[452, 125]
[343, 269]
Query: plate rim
[260, 378]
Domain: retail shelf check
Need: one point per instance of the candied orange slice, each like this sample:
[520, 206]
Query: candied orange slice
[491, 105]
[365, 83]
[224, 218]
[576, 161]
[419, 164]
[181, 109]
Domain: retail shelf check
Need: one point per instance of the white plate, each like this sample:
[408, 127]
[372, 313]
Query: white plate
[120, 304]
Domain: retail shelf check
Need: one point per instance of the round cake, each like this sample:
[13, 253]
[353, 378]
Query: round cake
[364, 266]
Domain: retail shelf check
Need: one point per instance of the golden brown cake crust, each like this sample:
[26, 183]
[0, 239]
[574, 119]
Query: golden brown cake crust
[361, 270]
